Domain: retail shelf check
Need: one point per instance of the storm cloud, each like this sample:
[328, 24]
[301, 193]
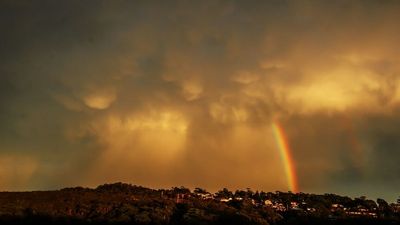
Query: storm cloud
[170, 93]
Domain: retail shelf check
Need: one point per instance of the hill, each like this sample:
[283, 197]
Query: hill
[121, 203]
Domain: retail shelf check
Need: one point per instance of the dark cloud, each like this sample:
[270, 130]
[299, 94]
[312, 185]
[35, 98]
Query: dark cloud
[181, 92]
[353, 150]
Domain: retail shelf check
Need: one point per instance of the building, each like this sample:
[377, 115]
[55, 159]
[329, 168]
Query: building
[225, 199]
[361, 211]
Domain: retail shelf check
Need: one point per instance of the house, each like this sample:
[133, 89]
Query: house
[337, 207]
[268, 202]
[361, 211]
[311, 209]
[225, 199]
[205, 195]
[280, 207]
[294, 205]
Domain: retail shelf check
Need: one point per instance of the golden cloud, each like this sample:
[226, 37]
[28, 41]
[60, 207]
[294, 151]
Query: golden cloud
[99, 101]
[16, 171]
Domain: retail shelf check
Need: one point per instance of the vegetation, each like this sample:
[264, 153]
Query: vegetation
[121, 203]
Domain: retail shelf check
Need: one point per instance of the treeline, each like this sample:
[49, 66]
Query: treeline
[130, 204]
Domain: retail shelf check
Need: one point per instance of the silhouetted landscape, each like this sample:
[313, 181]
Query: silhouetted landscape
[122, 203]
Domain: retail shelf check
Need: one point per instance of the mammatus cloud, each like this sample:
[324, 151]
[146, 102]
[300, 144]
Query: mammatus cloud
[99, 100]
[185, 93]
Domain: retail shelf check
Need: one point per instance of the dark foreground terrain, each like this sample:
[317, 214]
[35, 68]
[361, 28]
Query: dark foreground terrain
[128, 204]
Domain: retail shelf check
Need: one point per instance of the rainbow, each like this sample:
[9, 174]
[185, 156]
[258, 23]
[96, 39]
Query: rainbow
[286, 157]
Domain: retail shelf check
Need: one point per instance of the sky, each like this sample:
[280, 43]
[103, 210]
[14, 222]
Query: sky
[185, 93]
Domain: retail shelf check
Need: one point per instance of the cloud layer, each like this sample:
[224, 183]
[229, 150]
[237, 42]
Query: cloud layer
[184, 93]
